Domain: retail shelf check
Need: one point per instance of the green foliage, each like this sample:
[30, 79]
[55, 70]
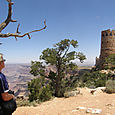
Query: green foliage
[49, 55]
[37, 68]
[110, 62]
[39, 90]
[93, 79]
[110, 86]
[71, 83]
[60, 53]
[45, 94]
[62, 59]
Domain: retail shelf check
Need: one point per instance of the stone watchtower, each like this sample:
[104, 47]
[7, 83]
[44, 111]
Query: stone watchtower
[107, 46]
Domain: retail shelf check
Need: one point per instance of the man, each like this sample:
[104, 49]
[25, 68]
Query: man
[5, 94]
[3, 82]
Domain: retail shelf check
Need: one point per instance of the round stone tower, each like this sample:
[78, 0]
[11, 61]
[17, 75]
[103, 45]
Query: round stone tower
[107, 45]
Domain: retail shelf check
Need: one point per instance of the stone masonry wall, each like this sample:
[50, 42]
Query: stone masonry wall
[107, 45]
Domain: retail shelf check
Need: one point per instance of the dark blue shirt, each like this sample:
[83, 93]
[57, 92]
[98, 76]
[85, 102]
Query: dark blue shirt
[3, 83]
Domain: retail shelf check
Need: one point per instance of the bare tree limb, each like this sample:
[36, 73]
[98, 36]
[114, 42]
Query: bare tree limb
[8, 20]
[17, 33]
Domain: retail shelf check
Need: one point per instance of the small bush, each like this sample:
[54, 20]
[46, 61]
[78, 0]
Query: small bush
[45, 94]
[110, 62]
[110, 86]
[40, 90]
[95, 79]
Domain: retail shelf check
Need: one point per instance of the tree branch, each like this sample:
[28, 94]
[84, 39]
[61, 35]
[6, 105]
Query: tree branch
[66, 51]
[8, 20]
[17, 33]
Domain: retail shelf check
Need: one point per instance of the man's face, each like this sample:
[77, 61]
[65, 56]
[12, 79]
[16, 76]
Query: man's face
[2, 65]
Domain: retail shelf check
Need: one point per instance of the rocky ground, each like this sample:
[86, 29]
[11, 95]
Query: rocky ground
[81, 104]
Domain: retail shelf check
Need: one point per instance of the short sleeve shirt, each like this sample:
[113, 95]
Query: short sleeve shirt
[3, 83]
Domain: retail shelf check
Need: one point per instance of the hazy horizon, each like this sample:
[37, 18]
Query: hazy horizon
[79, 64]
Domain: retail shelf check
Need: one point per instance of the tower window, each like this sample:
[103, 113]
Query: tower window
[102, 35]
[106, 34]
[110, 34]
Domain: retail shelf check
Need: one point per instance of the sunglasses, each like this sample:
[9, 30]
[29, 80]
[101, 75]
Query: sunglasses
[3, 60]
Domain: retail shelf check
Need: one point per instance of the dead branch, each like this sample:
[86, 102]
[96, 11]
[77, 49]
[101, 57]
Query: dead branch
[17, 33]
[9, 19]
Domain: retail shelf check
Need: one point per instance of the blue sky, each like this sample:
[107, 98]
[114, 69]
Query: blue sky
[81, 20]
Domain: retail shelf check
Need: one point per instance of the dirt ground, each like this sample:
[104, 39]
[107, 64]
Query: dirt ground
[68, 106]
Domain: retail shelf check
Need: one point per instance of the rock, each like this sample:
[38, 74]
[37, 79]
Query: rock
[109, 104]
[74, 111]
[101, 88]
[84, 91]
[80, 108]
[92, 92]
[94, 111]
[97, 90]
[71, 93]
[88, 110]
[107, 71]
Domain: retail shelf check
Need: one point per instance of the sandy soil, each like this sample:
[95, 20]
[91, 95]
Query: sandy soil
[67, 106]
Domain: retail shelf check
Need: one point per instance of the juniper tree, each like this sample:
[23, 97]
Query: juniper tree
[61, 56]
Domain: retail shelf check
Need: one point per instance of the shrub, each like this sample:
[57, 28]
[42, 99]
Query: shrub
[110, 86]
[39, 90]
[110, 62]
[45, 94]
[93, 79]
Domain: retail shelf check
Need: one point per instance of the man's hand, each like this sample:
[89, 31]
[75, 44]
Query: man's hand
[6, 96]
